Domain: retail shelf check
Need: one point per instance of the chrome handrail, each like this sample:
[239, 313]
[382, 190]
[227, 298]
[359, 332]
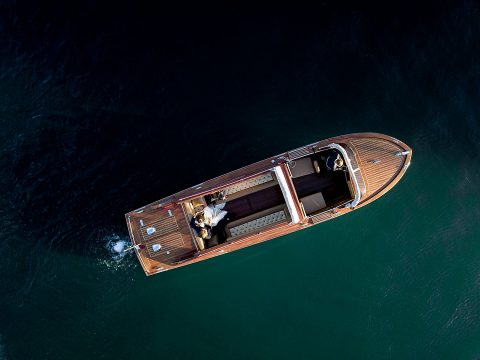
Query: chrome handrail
[356, 200]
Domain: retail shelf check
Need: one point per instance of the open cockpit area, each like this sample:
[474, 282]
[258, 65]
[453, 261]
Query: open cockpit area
[237, 210]
[322, 181]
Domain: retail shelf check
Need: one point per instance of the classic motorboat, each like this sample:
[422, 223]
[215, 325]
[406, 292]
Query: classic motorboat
[267, 199]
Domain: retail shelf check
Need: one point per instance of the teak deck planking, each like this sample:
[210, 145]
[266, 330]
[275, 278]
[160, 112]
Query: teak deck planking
[374, 154]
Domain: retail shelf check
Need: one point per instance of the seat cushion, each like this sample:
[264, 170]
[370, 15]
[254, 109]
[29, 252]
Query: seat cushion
[258, 215]
[259, 223]
[302, 167]
[313, 203]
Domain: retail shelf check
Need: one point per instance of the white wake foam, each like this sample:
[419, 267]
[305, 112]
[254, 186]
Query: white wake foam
[116, 258]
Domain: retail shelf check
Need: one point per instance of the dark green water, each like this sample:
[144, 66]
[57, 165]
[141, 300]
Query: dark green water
[93, 107]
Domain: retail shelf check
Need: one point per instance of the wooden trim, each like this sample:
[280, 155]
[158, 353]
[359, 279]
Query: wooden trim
[293, 192]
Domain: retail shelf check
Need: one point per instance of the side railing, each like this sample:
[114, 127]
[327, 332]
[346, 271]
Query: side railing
[352, 170]
[357, 173]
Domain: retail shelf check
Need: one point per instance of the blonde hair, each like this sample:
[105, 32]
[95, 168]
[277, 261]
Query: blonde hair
[203, 233]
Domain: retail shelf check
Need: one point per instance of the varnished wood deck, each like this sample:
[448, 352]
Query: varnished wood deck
[376, 155]
[172, 233]
[380, 162]
[377, 161]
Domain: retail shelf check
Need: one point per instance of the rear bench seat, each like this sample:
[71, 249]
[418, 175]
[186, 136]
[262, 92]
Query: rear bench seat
[255, 222]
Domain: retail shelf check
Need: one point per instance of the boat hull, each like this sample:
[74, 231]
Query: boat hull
[379, 162]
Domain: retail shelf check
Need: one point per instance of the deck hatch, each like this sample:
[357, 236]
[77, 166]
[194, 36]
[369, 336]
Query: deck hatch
[161, 226]
[167, 243]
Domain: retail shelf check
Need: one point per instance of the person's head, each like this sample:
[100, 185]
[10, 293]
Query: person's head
[339, 161]
[221, 195]
[200, 218]
[203, 233]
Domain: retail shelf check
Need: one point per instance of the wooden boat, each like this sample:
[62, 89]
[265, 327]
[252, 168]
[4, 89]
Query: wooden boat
[268, 199]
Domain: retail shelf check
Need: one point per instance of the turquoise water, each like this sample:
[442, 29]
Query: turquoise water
[92, 118]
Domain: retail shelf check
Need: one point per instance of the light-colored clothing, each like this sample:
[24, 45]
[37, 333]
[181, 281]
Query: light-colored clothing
[213, 214]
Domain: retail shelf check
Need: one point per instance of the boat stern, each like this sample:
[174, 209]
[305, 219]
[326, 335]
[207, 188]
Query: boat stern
[161, 236]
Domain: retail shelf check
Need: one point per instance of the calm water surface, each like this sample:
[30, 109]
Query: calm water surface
[102, 112]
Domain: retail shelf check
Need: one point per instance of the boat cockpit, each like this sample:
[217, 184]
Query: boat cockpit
[240, 209]
[321, 181]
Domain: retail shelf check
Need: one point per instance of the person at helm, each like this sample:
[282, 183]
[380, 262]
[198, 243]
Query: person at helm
[334, 162]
